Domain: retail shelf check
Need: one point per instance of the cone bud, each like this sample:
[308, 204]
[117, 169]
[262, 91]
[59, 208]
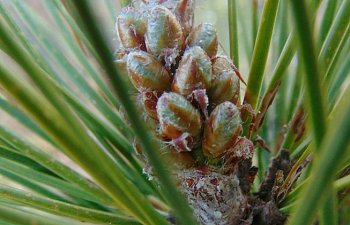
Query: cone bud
[204, 36]
[222, 129]
[131, 27]
[164, 37]
[225, 85]
[182, 9]
[146, 72]
[194, 72]
[177, 117]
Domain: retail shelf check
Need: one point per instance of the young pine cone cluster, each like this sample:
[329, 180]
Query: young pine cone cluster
[190, 97]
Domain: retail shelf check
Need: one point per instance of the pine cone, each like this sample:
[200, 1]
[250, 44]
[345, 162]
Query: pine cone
[191, 96]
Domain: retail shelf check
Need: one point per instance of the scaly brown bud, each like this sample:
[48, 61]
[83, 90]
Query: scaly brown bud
[222, 129]
[131, 27]
[204, 36]
[225, 85]
[194, 72]
[164, 37]
[179, 120]
[147, 73]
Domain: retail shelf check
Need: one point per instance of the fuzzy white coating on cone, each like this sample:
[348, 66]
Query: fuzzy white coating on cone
[215, 198]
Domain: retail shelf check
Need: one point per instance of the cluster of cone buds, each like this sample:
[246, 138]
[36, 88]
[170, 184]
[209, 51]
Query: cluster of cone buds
[191, 94]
